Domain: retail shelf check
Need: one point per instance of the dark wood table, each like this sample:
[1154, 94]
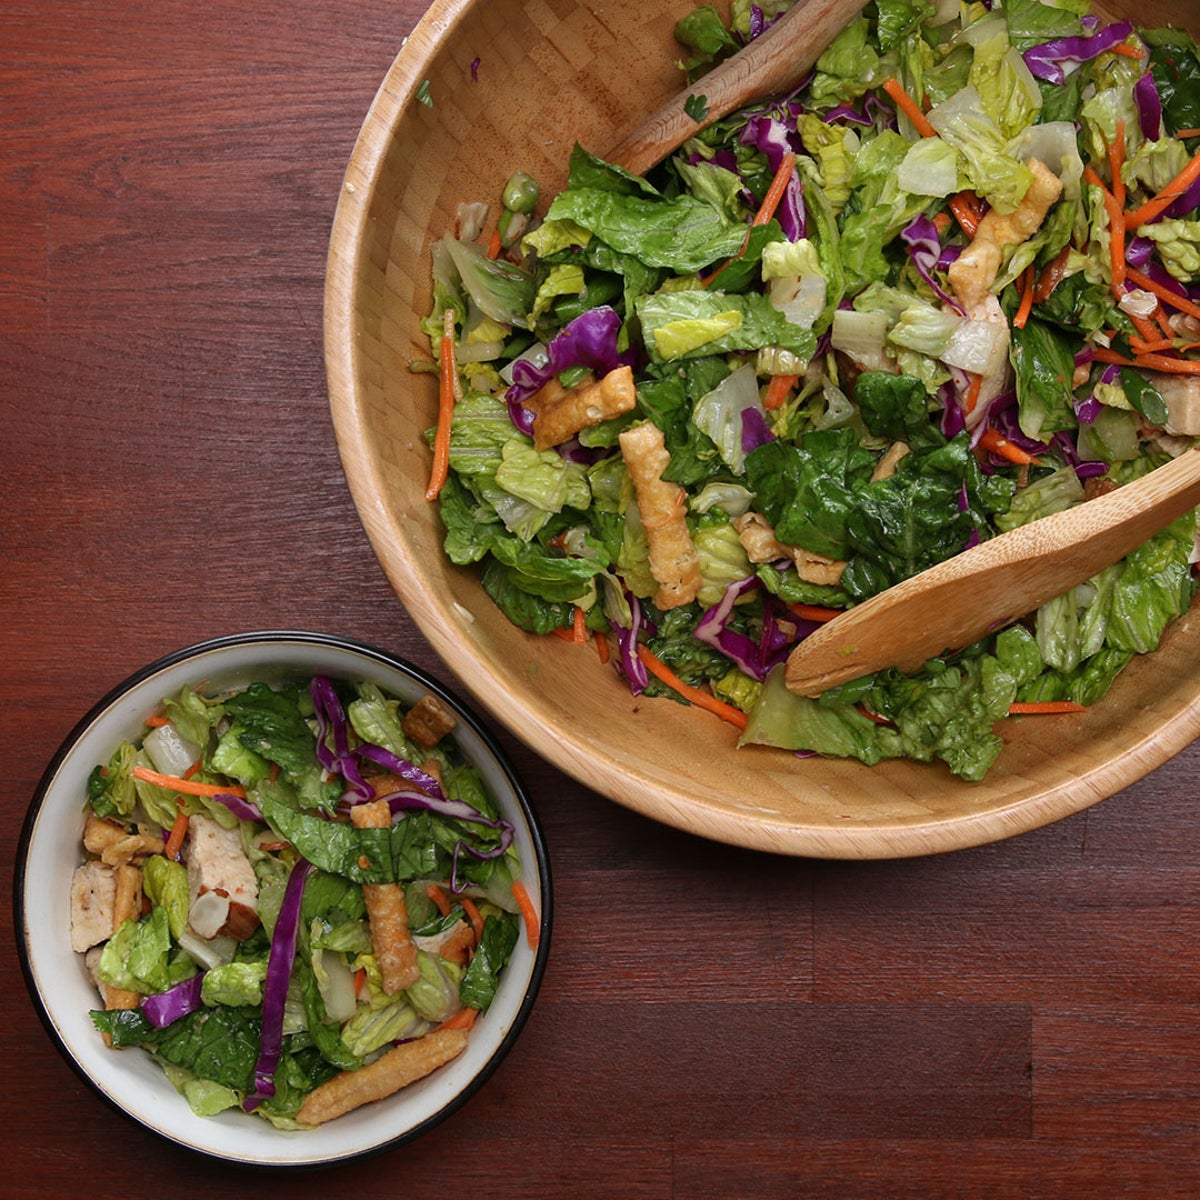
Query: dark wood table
[1019, 1020]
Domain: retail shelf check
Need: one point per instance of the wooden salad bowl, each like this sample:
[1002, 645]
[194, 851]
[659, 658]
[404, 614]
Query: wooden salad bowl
[486, 87]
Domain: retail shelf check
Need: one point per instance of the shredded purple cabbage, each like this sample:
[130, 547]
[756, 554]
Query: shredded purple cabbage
[755, 430]
[925, 252]
[1149, 106]
[332, 724]
[409, 772]
[753, 658]
[1048, 60]
[280, 960]
[590, 340]
[632, 666]
[244, 810]
[1185, 204]
[175, 1002]
[771, 135]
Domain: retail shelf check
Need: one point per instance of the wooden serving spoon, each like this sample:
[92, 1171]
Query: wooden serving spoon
[959, 601]
[775, 62]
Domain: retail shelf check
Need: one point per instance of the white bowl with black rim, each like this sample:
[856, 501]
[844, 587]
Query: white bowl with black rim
[50, 848]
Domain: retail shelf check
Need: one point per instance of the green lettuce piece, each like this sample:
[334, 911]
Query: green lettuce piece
[562, 279]
[1044, 364]
[827, 145]
[847, 67]
[525, 609]
[204, 1097]
[496, 944]
[110, 786]
[682, 234]
[372, 1028]
[714, 185]
[963, 122]
[1155, 586]
[499, 288]
[542, 478]
[136, 957]
[722, 560]
[685, 324]
[1178, 242]
[703, 31]
[233, 758]
[166, 884]
[1009, 93]
[1052, 493]
[234, 984]
[435, 995]
[552, 237]
[1031, 22]
[1153, 164]
[193, 716]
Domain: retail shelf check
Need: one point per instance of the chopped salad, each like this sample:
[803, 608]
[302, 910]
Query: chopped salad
[297, 898]
[947, 287]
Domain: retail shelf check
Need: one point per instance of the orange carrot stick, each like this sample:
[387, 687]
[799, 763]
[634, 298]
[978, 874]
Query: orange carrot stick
[695, 696]
[910, 108]
[1116, 160]
[157, 722]
[533, 925]
[783, 174]
[493, 250]
[1126, 49]
[463, 1019]
[1173, 366]
[972, 396]
[472, 911]
[777, 390]
[1116, 232]
[1030, 707]
[441, 441]
[1023, 310]
[998, 444]
[813, 612]
[436, 894]
[189, 787]
[601, 646]
[1168, 195]
[178, 833]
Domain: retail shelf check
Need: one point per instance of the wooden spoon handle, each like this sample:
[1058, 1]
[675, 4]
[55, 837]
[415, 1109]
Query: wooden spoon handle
[959, 601]
[774, 62]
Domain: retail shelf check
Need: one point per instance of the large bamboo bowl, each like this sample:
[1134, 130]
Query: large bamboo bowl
[513, 85]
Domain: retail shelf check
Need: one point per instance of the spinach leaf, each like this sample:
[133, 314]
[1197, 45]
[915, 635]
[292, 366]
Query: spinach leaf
[1044, 365]
[496, 944]
[1175, 65]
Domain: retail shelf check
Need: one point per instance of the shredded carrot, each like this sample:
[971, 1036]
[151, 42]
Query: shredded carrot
[1163, 293]
[910, 108]
[472, 911]
[941, 222]
[493, 250]
[1163, 322]
[178, 833]
[1030, 707]
[1051, 275]
[441, 441]
[1126, 49]
[273, 774]
[973, 388]
[189, 787]
[533, 926]
[194, 769]
[1187, 133]
[463, 1019]
[436, 894]
[1024, 308]
[998, 444]
[1173, 366]
[965, 207]
[813, 612]
[872, 716]
[360, 979]
[601, 646]
[1104, 354]
[777, 390]
[1116, 160]
[1168, 195]
[1147, 331]
[701, 699]
[783, 174]
[1140, 347]
[157, 722]
[577, 633]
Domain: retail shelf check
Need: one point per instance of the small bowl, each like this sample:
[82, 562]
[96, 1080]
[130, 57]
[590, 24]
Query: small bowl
[483, 88]
[50, 849]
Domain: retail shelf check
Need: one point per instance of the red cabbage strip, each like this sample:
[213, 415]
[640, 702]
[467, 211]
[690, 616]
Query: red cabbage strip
[1149, 107]
[331, 720]
[590, 340]
[753, 658]
[174, 1003]
[275, 989]
[632, 666]
[244, 810]
[506, 838]
[409, 772]
[771, 136]
[925, 250]
[755, 430]
[1047, 60]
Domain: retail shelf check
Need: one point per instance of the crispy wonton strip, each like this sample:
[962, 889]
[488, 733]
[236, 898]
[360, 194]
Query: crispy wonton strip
[674, 562]
[387, 913]
[127, 905]
[584, 406]
[400, 1066]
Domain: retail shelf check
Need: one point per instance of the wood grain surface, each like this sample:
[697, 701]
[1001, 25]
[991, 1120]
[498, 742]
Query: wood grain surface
[1019, 1020]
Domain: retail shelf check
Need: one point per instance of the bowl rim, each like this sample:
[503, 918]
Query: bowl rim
[340, 643]
[638, 789]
